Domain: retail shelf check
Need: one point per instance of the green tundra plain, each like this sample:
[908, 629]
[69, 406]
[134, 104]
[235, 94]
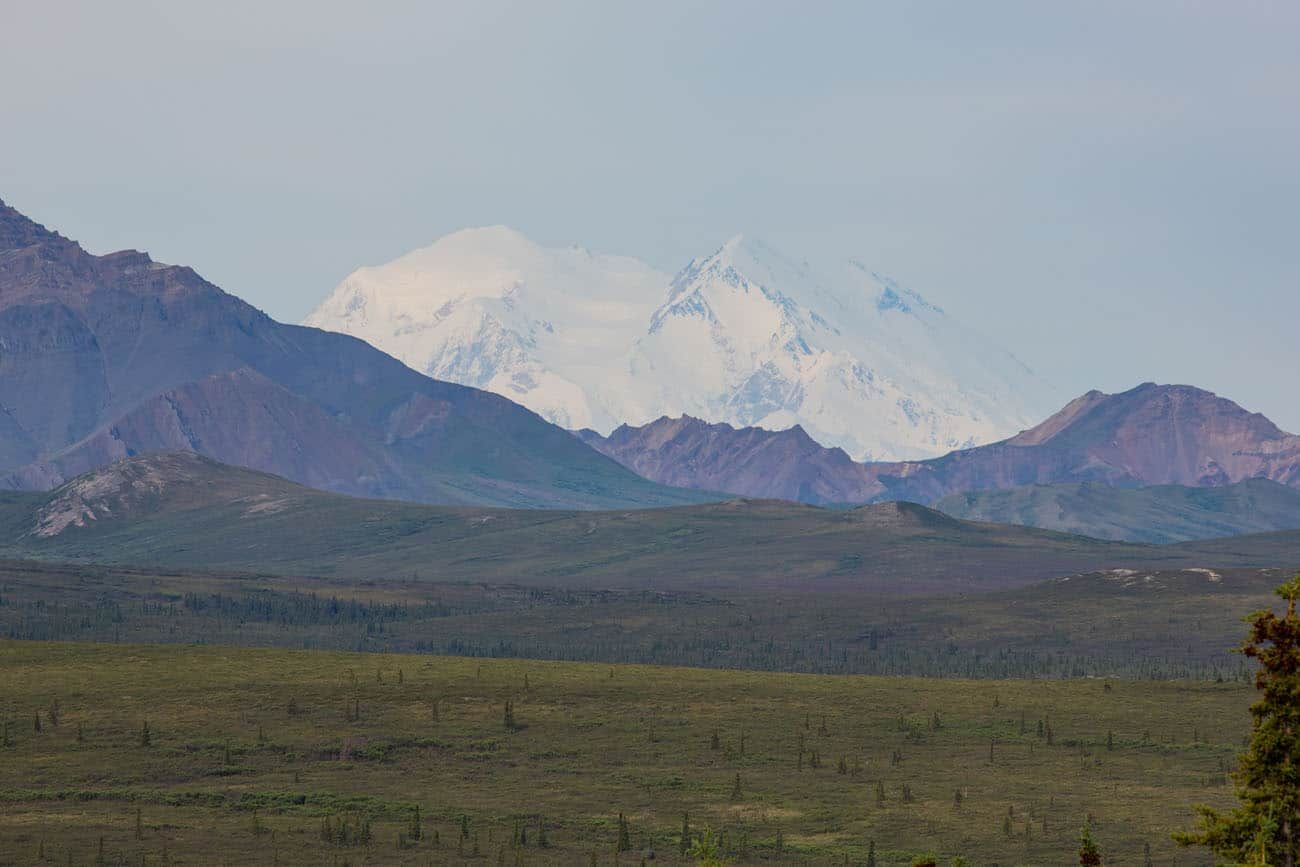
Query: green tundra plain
[131, 754]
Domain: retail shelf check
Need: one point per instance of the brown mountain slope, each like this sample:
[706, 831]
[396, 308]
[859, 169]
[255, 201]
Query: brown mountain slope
[106, 356]
[751, 462]
[1150, 435]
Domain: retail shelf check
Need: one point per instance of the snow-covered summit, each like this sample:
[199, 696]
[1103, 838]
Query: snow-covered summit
[490, 308]
[745, 335]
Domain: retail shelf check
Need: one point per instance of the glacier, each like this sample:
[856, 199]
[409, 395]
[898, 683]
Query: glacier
[745, 335]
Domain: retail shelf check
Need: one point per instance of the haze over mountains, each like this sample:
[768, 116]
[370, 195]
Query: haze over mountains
[744, 335]
[108, 356]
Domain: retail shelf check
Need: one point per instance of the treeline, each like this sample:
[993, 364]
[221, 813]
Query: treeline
[649, 628]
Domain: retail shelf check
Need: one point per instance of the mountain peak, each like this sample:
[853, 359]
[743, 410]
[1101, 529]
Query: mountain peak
[744, 335]
[18, 231]
[1155, 402]
[1149, 435]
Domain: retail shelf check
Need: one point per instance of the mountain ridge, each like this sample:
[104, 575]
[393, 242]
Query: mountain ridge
[180, 510]
[106, 356]
[1150, 435]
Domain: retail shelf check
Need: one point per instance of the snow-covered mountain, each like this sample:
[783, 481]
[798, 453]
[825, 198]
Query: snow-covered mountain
[744, 336]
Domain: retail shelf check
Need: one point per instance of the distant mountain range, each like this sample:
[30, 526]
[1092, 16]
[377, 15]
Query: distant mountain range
[745, 336]
[182, 510]
[106, 357]
[749, 462]
[1150, 435]
[102, 357]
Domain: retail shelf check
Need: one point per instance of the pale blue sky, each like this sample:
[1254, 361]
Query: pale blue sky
[1112, 190]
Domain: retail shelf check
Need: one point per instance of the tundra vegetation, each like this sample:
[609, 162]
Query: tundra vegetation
[200, 754]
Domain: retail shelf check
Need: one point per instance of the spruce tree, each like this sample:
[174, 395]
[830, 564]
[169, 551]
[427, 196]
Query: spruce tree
[871, 853]
[686, 833]
[735, 789]
[624, 835]
[146, 736]
[1089, 854]
[1265, 829]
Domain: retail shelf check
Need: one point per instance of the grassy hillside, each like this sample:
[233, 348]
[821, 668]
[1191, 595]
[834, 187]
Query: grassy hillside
[203, 515]
[251, 753]
[1159, 515]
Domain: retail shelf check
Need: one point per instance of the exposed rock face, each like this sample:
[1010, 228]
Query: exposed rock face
[1150, 435]
[106, 356]
[133, 489]
[751, 462]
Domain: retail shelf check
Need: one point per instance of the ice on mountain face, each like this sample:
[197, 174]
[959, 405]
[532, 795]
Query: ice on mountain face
[745, 336]
[491, 309]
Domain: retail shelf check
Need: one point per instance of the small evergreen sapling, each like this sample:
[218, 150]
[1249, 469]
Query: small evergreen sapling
[624, 834]
[1089, 854]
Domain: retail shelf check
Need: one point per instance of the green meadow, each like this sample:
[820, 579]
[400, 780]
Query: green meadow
[221, 755]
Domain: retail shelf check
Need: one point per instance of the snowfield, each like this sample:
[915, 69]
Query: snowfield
[745, 336]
